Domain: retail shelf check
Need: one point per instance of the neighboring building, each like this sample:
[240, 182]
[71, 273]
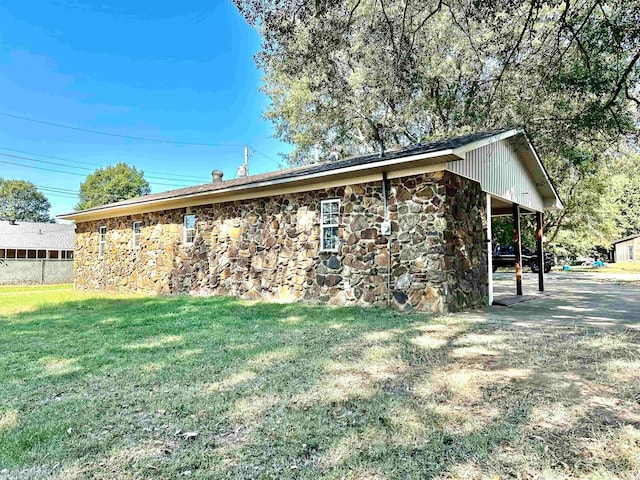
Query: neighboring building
[409, 229]
[36, 252]
[627, 249]
[31, 240]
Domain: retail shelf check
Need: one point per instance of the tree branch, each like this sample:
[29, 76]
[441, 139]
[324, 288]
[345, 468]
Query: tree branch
[622, 80]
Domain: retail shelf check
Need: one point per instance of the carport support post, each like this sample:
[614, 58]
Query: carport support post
[540, 249]
[517, 247]
[489, 253]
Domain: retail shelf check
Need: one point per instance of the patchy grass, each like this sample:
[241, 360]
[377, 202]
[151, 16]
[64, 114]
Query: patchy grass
[117, 386]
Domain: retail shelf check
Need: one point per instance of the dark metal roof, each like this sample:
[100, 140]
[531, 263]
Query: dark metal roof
[37, 236]
[437, 146]
[630, 237]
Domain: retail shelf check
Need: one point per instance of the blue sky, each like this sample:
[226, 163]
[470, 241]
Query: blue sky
[181, 71]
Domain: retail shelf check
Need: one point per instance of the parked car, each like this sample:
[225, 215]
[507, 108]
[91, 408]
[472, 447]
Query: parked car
[504, 256]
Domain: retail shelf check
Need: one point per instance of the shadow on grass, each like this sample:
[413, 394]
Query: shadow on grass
[106, 387]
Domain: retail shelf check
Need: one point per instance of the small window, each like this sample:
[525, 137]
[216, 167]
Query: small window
[137, 230]
[329, 220]
[631, 252]
[189, 228]
[102, 241]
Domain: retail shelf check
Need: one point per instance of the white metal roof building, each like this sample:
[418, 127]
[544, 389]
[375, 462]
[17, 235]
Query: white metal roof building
[36, 240]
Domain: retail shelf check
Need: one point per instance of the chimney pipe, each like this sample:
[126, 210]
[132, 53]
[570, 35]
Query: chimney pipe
[216, 176]
[12, 221]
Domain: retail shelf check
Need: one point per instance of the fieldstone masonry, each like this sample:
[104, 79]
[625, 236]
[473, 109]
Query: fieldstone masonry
[269, 248]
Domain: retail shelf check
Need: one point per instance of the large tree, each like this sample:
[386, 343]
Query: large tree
[112, 184]
[20, 200]
[361, 72]
[370, 73]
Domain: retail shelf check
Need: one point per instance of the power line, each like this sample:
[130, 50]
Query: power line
[279, 164]
[129, 137]
[73, 173]
[82, 168]
[68, 190]
[61, 195]
[95, 165]
[133, 137]
[55, 192]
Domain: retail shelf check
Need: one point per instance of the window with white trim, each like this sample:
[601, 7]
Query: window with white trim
[329, 221]
[189, 228]
[631, 252]
[137, 230]
[102, 241]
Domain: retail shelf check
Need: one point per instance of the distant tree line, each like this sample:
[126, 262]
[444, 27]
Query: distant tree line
[21, 200]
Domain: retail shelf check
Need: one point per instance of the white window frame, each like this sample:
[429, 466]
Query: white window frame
[102, 240]
[185, 233]
[135, 236]
[631, 253]
[324, 226]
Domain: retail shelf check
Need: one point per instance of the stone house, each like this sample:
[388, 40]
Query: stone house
[409, 229]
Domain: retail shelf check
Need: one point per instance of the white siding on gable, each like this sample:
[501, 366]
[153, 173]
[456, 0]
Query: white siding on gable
[628, 251]
[500, 172]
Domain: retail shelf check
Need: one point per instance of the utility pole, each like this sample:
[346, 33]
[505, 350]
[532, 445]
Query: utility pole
[243, 170]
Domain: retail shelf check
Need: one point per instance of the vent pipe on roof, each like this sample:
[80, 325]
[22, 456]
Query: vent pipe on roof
[335, 153]
[216, 176]
[12, 221]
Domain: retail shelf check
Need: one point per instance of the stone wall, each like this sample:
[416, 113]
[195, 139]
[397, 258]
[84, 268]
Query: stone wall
[269, 248]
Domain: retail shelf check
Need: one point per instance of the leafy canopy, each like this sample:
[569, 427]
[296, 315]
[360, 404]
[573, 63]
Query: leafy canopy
[21, 200]
[366, 74]
[112, 184]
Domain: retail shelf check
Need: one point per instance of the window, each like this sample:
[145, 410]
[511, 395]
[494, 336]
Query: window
[137, 230]
[631, 252]
[189, 228]
[329, 219]
[102, 241]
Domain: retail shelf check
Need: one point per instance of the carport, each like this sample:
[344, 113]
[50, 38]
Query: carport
[516, 183]
[497, 207]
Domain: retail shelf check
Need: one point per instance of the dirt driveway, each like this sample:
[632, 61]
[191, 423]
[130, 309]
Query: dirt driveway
[596, 300]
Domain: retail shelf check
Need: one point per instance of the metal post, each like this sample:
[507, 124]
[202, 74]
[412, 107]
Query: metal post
[489, 253]
[517, 247]
[540, 248]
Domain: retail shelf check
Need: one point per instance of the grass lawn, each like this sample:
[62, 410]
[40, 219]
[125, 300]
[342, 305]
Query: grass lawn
[620, 267]
[121, 386]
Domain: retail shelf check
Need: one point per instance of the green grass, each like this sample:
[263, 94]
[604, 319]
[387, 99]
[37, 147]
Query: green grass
[107, 386]
[620, 267]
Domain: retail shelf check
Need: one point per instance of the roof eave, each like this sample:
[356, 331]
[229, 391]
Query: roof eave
[113, 210]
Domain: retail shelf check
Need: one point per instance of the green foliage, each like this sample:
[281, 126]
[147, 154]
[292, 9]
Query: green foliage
[20, 200]
[625, 189]
[112, 184]
[366, 73]
[502, 231]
